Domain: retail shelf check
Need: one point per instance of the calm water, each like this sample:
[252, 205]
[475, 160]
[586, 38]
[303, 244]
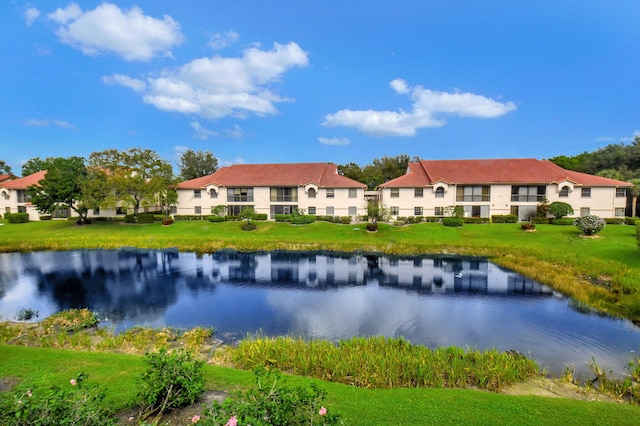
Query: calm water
[434, 301]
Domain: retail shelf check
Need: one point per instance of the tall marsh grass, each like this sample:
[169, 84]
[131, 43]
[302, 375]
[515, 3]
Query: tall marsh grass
[379, 362]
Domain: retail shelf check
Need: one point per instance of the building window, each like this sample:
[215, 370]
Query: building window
[121, 210]
[353, 211]
[23, 196]
[585, 211]
[284, 194]
[330, 193]
[22, 209]
[440, 192]
[312, 210]
[234, 210]
[621, 192]
[473, 193]
[417, 211]
[197, 193]
[240, 194]
[620, 211]
[173, 209]
[394, 210]
[564, 192]
[529, 194]
[586, 192]
[439, 211]
[96, 211]
[353, 193]
[418, 192]
[395, 192]
[311, 193]
[330, 211]
[197, 210]
[213, 193]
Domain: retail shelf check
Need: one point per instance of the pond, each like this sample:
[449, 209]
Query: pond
[432, 301]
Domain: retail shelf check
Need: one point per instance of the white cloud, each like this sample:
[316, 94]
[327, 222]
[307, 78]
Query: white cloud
[236, 132]
[427, 106]
[108, 29]
[238, 160]
[334, 141]
[220, 41]
[30, 15]
[132, 83]
[217, 87]
[33, 122]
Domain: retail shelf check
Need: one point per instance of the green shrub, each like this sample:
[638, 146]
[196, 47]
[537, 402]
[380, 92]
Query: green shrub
[71, 320]
[476, 220]
[504, 218]
[540, 220]
[453, 221]
[565, 221]
[146, 218]
[187, 217]
[232, 218]
[17, 217]
[560, 209]
[432, 218]
[71, 403]
[590, 224]
[283, 218]
[45, 217]
[216, 218]
[130, 218]
[27, 314]
[345, 220]
[302, 219]
[615, 220]
[372, 227]
[260, 216]
[172, 380]
[631, 220]
[271, 401]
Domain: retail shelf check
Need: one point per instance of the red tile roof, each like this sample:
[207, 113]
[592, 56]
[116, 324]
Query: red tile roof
[494, 171]
[294, 174]
[6, 176]
[24, 182]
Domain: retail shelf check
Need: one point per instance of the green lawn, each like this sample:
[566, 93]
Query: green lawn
[117, 374]
[603, 272]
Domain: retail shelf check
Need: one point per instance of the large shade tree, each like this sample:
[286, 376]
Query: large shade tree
[136, 177]
[194, 164]
[35, 165]
[62, 187]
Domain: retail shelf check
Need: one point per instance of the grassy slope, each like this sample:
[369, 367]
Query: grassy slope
[117, 374]
[554, 255]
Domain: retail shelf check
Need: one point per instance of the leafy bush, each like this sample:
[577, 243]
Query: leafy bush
[560, 209]
[260, 216]
[453, 221]
[216, 218]
[130, 218]
[27, 314]
[565, 221]
[172, 380]
[345, 220]
[71, 320]
[271, 402]
[541, 220]
[372, 227]
[71, 403]
[187, 217]
[631, 220]
[45, 217]
[248, 226]
[476, 220]
[17, 217]
[590, 224]
[527, 226]
[432, 218]
[504, 218]
[146, 218]
[615, 220]
[302, 219]
[283, 218]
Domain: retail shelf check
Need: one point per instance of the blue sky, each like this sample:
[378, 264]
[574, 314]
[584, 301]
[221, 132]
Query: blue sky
[319, 80]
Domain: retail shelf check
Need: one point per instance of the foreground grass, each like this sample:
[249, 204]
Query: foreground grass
[603, 272]
[117, 374]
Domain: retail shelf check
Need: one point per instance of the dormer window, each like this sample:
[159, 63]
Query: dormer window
[213, 193]
[439, 192]
[311, 193]
[564, 192]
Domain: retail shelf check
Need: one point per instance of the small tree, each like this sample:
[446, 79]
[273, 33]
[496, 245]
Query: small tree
[377, 212]
[247, 214]
[590, 224]
[454, 211]
[559, 209]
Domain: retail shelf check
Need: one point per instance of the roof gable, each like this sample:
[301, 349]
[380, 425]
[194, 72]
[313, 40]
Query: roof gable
[24, 182]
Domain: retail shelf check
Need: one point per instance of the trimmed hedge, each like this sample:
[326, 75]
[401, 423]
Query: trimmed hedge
[216, 218]
[302, 219]
[188, 217]
[45, 217]
[17, 217]
[504, 218]
[564, 221]
[146, 218]
[476, 220]
[455, 222]
[283, 218]
[541, 220]
[345, 220]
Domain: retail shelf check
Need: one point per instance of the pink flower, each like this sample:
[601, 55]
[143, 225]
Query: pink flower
[232, 421]
[323, 411]
[195, 419]
[73, 382]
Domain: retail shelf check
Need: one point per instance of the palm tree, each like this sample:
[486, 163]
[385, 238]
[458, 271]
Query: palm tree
[634, 192]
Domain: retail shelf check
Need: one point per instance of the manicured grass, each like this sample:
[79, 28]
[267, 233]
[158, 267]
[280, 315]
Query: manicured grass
[603, 272]
[117, 374]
